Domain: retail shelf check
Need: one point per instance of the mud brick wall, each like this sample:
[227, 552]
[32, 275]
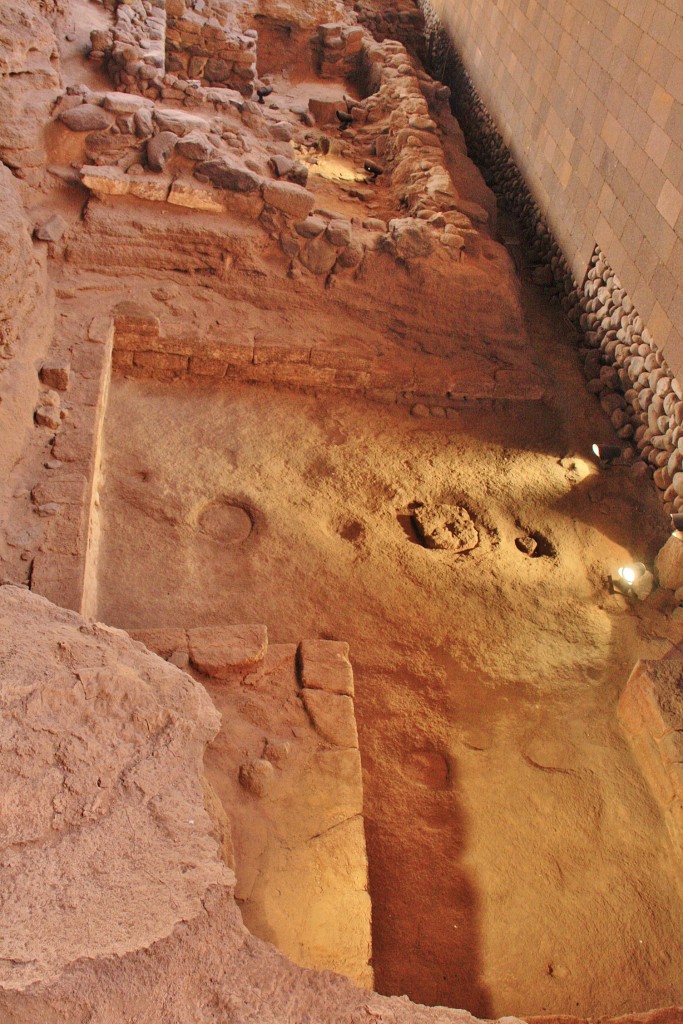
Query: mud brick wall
[589, 101]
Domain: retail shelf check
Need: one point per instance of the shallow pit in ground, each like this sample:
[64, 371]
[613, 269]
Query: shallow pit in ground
[508, 827]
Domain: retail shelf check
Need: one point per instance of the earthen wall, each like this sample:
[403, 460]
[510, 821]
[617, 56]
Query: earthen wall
[589, 100]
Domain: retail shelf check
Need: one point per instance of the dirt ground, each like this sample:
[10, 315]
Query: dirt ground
[517, 862]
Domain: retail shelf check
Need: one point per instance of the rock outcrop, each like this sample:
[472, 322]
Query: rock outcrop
[29, 78]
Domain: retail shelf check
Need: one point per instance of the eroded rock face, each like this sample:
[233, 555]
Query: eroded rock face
[18, 281]
[29, 78]
[105, 842]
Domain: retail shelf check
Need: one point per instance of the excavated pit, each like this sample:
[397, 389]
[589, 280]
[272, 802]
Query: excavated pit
[344, 413]
[517, 863]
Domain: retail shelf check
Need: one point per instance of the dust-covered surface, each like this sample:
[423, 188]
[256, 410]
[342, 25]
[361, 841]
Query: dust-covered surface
[517, 862]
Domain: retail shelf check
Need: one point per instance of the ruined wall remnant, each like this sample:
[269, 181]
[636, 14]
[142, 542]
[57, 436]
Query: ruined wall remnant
[589, 102]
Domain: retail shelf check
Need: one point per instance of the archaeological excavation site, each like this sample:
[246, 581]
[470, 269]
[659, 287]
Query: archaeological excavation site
[341, 511]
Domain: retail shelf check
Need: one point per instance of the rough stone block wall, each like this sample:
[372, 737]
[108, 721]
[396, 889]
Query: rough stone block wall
[589, 100]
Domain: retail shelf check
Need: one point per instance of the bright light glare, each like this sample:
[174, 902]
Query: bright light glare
[596, 451]
[628, 574]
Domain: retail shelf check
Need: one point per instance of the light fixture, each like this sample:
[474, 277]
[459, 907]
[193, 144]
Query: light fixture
[607, 453]
[631, 573]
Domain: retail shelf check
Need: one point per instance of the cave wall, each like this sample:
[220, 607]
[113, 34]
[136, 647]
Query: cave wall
[589, 99]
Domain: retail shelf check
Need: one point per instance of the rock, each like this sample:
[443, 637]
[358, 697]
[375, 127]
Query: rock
[420, 410]
[126, 103]
[526, 544]
[159, 149]
[144, 123]
[445, 527]
[55, 373]
[195, 146]
[51, 230]
[325, 665]
[228, 174]
[332, 716]
[311, 227]
[219, 651]
[103, 810]
[195, 197]
[48, 416]
[293, 200]
[180, 122]
[351, 255]
[323, 110]
[319, 256]
[86, 118]
[338, 232]
[282, 165]
[257, 777]
[282, 131]
[411, 238]
[669, 564]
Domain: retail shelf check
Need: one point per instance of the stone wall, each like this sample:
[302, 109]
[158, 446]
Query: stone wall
[589, 101]
[625, 366]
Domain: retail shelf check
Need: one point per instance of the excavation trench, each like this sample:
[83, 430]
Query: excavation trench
[517, 862]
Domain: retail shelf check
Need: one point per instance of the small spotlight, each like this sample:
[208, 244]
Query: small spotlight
[607, 453]
[677, 523]
[630, 574]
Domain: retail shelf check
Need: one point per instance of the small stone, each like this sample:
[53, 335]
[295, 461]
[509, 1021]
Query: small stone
[159, 149]
[419, 410]
[48, 416]
[338, 232]
[56, 374]
[181, 659]
[257, 776]
[51, 230]
[50, 508]
[526, 544]
[277, 750]
[282, 131]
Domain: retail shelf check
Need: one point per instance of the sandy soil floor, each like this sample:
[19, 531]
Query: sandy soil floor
[517, 862]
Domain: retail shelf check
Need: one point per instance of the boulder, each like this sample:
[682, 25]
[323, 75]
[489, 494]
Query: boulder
[86, 118]
[319, 256]
[228, 174]
[293, 200]
[159, 149]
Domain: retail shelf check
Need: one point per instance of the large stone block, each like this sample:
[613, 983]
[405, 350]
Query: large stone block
[291, 199]
[220, 651]
[324, 665]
